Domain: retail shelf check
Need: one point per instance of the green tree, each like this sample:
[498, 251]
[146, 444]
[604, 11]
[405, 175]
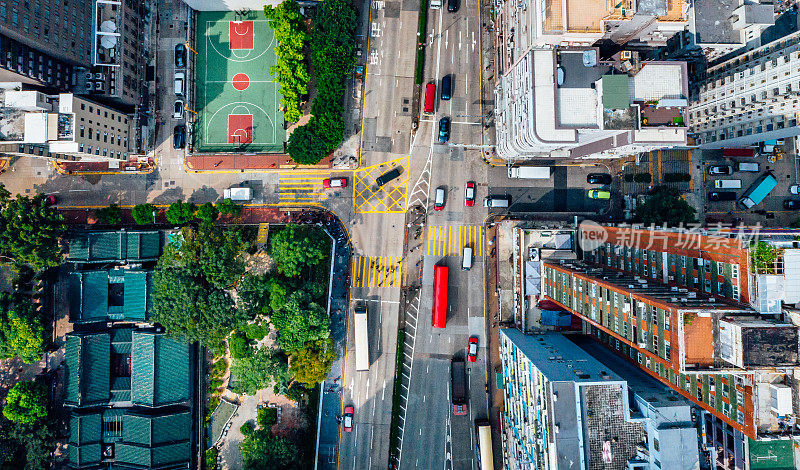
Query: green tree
[35, 443]
[144, 214]
[227, 206]
[30, 230]
[305, 146]
[263, 451]
[665, 206]
[240, 346]
[298, 246]
[279, 289]
[180, 212]
[311, 365]
[207, 212]
[764, 256]
[264, 367]
[21, 331]
[111, 215]
[253, 293]
[290, 69]
[300, 321]
[267, 417]
[211, 458]
[26, 403]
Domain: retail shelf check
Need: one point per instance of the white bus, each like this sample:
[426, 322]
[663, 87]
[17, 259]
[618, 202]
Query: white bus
[361, 336]
[483, 443]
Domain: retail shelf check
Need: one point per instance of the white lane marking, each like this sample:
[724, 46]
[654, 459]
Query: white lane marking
[446, 41]
[459, 40]
[473, 41]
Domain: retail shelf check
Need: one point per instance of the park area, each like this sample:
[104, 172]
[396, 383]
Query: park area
[237, 99]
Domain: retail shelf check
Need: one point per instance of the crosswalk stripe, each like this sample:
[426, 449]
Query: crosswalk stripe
[449, 240]
[379, 271]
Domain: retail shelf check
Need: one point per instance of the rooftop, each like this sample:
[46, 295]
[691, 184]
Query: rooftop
[115, 246]
[114, 295]
[710, 22]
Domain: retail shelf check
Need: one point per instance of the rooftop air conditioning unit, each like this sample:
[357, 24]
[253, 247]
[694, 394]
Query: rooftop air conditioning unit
[683, 289]
[89, 75]
[641, 344]
[692, 295]
[89, 86]
[673, 299]
[100, 76]
[673, 288]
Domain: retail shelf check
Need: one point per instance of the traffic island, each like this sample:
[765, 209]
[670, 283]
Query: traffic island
[227, 162]
[141, 165]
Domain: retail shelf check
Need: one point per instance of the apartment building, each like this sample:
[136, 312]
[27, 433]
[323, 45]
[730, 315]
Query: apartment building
[61, 126]
[567, 103]
[564, 408]
[719, 27]
[749, 98]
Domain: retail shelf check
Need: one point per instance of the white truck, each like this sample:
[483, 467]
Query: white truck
[238, 194]
[529, 172]
[436, 4]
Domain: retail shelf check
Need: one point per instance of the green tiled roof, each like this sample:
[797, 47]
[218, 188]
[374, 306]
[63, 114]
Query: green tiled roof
[83, 456]
[115, 246]
[160, 370]
[136, 291]
[156, 457]
[88, 361]
[89, 295]
[615, 92]
[84, 428]
[155, 430]
[121, 340]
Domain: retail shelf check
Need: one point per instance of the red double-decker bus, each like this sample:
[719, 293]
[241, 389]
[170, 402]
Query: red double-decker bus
[440, 274]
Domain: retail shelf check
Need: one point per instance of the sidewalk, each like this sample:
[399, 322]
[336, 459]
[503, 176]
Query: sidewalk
[245, 162]
[494, 365]
[111, 167]
[249, 215]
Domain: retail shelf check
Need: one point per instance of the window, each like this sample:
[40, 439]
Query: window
[91, 109]
[82, 129]
[655, 444]
[83, 105]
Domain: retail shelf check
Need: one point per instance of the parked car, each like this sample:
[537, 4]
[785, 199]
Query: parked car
[598, 178]
[347, 419]
[177, 110]
[444, 130]
[720, 170]
[51, 199]
[472, 349]
[335, 182]
[179, 137]
[179, 78]
[791, 204]
[180, 55]
[722, 196]
[794, 189]
[599, 194]
[439, 201]
[469, 194]
[452, 5]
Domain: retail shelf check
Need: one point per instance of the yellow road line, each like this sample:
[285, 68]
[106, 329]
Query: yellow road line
[449, 233]
[400, 272]
[480, 240]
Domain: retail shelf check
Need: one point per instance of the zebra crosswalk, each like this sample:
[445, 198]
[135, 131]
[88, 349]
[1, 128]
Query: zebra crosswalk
[377, 271]
[446, 240]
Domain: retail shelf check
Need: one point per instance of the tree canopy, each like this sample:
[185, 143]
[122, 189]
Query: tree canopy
[260, 370]
[305, 146]
[180, 212]
[21, 331]
[30, 230]
[665, 206]
[144, 214]
[311, 365]
[189, 296]
[300, 321]
[290, 70]
[207, 212]
[111, 215]
[26, 403]
[298, 246]
[263, 451]
[227, 206]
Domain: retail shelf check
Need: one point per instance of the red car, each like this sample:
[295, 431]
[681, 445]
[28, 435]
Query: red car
[472, 349]
[469, 194]
[335, 183]
[347, 419]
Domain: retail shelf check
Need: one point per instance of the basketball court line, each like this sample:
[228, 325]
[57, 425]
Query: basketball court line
[235, 105]
[245, 40]
[236, 59]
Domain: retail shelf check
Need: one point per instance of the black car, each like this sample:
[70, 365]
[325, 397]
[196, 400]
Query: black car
[444, 130]
[722, 196]
[791, 204]
[720, 170]
[447, 87]
[180, 55]
[179, 137]
[452, 5]
[598, 178]
[388, 176]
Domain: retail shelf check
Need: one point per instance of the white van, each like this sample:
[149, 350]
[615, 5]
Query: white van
[180, 77]
[497, 201]
[466, 258]
[748, 166]
[728, 184]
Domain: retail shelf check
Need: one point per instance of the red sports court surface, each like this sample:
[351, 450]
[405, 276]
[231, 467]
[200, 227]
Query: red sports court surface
[240, 128]
[241, 34]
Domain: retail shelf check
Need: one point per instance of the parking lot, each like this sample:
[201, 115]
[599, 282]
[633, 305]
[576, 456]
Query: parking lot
[782, 167]
[565, 190]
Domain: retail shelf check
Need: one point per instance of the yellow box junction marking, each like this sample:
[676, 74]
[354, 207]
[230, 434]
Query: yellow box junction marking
[377, 271]
[301, 186]
[389, 198]
[446, 240]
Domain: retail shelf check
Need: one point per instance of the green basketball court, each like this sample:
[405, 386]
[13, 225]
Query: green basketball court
[237, 100]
